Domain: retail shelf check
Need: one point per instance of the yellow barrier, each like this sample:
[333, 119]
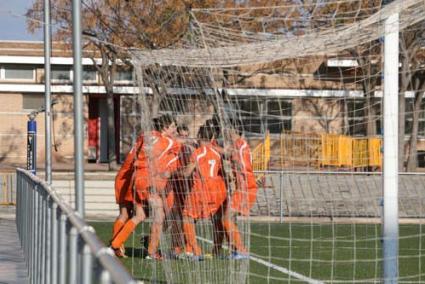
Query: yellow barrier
[261, 156]
[360, 153]
[299, 149]
[375, 153]
[329, 150]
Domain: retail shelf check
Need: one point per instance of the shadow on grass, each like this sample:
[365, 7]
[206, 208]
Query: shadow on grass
[136, 252]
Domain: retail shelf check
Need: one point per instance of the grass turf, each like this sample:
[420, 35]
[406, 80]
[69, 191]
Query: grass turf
[328, 252]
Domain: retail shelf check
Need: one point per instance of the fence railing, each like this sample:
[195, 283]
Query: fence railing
[58, 245]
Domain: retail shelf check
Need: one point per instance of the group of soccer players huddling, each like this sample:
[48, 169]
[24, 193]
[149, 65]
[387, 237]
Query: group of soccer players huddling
[182, 180]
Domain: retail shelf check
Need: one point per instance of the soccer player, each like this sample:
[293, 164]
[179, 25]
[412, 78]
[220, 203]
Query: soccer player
[153, 166]
[124, 193]
[242, 200]
[180, 186]
[208, 191]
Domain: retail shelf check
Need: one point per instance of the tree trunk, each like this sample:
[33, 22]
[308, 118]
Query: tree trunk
[112, 157]
[370, 115]
[412, 160]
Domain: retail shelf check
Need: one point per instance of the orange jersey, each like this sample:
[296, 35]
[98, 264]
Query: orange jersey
[209, 190]
[124, 177]
[178, 182]
[153, 162]
[246, 188]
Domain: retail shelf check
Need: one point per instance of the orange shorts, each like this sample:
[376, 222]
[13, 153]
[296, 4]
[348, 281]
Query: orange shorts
[143, 191]
[244, 197]
[202, 203]
[123, 187]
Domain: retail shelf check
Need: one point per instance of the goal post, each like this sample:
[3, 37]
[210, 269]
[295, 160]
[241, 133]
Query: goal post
[390, 170]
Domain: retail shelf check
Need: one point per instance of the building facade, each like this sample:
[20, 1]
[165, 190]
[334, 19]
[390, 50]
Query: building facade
[266, 103]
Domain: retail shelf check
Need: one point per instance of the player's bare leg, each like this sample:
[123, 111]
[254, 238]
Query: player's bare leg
[232, 231]
[126, 211]
[218, 233]
[190, 235]
[158, 216]
[128, 228]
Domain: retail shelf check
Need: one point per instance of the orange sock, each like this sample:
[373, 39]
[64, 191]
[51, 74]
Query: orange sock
[155, 235]
[234, 235]
[118, 224]
[189, 232]
[123, 234]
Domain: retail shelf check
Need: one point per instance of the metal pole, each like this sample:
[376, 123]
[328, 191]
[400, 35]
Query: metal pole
[40, 236]
[62, 248]
[73, 255]
[43, 236]
[281, 197]
[54, 238]
[36, 235]
[87, 265]
[48, 240]
[78, 109]
[32, 145]
[390, 190]
[47, 100]
[105, 277]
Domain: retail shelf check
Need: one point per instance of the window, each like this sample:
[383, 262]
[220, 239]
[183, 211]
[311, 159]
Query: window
[18, 72]
[356, 117]
[60, 74]
[258, 116]
[123, 76]
[177, 104]
[409, 117]
[32, 101]
[89, 75]
[278, 115]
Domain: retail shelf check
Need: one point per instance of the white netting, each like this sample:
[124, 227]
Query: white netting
[303, 81]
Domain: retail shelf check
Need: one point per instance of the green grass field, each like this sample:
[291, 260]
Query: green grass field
[327, 252]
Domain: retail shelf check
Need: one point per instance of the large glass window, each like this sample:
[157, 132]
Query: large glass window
[20, 72]
[409, 117]
[356, 117]
[260, 115]
[123, 76]
[278, 115]
[177, 104]
[89, 75]
[60, 73]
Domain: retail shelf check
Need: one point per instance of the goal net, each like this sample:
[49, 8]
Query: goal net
[302, 81]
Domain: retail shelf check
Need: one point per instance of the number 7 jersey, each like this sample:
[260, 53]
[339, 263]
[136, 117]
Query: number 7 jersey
[209, 190]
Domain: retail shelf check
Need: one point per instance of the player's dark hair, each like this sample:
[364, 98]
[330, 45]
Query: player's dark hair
[182, 127]
[163, 121]
[214, 124]
[205, 132]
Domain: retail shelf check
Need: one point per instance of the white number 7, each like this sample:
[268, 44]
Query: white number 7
[212, 165]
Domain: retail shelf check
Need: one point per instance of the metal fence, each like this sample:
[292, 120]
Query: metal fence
[7, 189]
[59, 247]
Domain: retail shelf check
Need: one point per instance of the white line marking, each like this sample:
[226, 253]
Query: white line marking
[276, 267]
